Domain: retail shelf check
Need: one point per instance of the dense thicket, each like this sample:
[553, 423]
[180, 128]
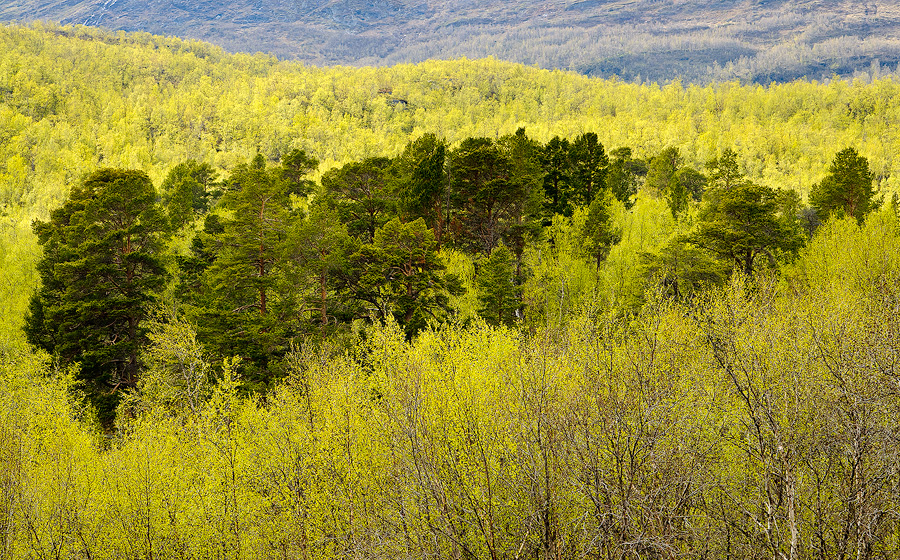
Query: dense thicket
[263, 274]
[756, 421]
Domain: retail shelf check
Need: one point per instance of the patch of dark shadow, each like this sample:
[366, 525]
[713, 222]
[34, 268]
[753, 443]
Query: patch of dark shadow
[420, 10]
[825, 70]
[251, 19]
[625, 17]
[689, 29]
[397, 102]
[469, 21]
[860, 28]
[373, 17]
[585, 5]
[783, 76]
[848, 66]
[763, 35]
[664, 66]
[375, 12]
[856, 29]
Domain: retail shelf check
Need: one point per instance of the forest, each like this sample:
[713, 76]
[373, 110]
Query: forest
[464, 309]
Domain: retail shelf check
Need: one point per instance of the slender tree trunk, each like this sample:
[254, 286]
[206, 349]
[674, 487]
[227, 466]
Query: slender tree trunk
[792, 514]
[261, 263]
[323, 312]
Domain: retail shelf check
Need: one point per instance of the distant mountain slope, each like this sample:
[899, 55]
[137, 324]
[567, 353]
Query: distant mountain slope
[694, 40]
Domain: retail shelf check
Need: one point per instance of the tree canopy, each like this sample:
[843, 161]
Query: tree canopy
[741, 221]
[848, 188]
[102, 266]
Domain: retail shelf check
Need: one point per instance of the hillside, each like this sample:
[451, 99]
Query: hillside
[642, 40]
[256, 309]
[73, 99]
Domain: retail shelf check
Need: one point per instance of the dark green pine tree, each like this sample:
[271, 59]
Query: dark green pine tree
[318, 249]
[682, 268]
[600, 233]
[498, 297]
[624, 175]
[484, 196]
[847, 190]
[247, 303]
[661, 171]
[526, 178]
[101, 267]
[193, 266]
[741, 221]
[422, 183]
[686, 186]
[399, 274]
[589, 165]
[557, 178]
[188, 190]
[362, 193]
[296, 166]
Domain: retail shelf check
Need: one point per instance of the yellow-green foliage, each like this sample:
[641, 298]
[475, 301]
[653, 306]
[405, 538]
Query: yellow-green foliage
[844, 257]
[75, 99]
[47, 457]
[758, 421]
[558, 280]
[462, 266]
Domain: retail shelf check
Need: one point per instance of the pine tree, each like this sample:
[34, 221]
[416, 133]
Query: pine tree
[497, 293]
[623, 176]
[662, 170]
[362, 194]
[188, 189]
[102, 265]
[600, 233]
[686, 186]
[847, 189]
[484, 193]
[526, 178]
[589, 164]
[318, 249]
[248, 302]
[422, 182]
[741, 221]
[557, 178]
[296, 165]
[252, 239]
[682, 268]
[399, 274]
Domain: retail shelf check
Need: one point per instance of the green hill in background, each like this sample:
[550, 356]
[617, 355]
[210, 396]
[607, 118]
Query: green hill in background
[636, 40]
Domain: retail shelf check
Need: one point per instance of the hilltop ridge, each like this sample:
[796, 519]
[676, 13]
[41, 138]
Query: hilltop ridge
[638, 40]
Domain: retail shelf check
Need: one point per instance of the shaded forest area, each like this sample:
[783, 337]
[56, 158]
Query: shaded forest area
[595, 320]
